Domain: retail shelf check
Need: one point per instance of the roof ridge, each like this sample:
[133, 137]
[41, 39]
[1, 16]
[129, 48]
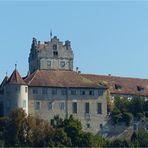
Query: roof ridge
[116, 76]
[33, 76]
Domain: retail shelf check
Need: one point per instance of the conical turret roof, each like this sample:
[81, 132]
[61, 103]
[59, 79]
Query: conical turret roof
[15, 78]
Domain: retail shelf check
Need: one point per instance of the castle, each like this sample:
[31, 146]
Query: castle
[52, 87]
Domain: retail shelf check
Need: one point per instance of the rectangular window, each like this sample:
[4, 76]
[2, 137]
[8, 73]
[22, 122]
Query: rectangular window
[44, 90]
[62, 105]
[88, 125]
[63, 91]
[24, 103]
[55, 54]
[101, 92]
[82, 92]
[49, 63]
[26, 89]
[91, 92]
[37, 105]
[50, 105]
[54, 91]
[35, 91]
[73, 92]
[87, 108]
[99, 108]
[74, 107]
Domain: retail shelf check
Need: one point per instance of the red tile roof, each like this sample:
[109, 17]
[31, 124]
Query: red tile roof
[127, 85]
[15, 78]
[59, 78]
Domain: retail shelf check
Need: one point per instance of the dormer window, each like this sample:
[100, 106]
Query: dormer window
[140, 88]
[55, 47]
[118, 87]
[55, 54]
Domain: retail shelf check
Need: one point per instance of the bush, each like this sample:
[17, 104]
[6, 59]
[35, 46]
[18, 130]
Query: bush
[127, 118]
[140, 116]
[146, 114]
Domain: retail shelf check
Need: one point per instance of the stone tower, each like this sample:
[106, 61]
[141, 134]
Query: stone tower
[15, 93]
[52, 54]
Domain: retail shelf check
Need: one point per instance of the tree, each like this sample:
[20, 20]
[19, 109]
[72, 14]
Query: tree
[116, 115]
[120, 143]
[73, 128]
[127, 118]
[137, 105]
[59, 138]
[142, 138]
[15, 128]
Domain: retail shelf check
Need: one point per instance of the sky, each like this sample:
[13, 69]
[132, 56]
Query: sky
[107, 37]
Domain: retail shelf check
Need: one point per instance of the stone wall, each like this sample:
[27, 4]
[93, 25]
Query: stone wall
[91, 121]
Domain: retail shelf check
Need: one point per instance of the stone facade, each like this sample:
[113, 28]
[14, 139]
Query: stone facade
[63, 105]
[50, 55]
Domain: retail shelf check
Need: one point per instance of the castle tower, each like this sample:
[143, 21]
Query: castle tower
[51, 55]
[15, 93]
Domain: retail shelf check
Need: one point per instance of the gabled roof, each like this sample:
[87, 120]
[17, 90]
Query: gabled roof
[15, 78]
[59, 78]
[128, 85]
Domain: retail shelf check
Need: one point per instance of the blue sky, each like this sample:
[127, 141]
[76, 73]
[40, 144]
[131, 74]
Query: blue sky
[107, 37]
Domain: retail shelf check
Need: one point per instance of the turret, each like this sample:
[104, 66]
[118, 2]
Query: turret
[16, 93]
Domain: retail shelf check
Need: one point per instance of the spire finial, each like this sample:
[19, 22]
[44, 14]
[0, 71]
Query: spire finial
[50, 34]
[15, 66]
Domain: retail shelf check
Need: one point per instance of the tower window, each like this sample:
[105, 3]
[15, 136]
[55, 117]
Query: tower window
[26, 89]
[24, 103]
[62, 64]
[55, 54]
[49, 63]
[55, 47]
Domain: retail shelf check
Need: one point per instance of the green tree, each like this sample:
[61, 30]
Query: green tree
[15, 128]
[137, 105]
[116, 115]
[120, 143]
[127, 118]
[142, 138]
[59, 138]
[73, 128]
